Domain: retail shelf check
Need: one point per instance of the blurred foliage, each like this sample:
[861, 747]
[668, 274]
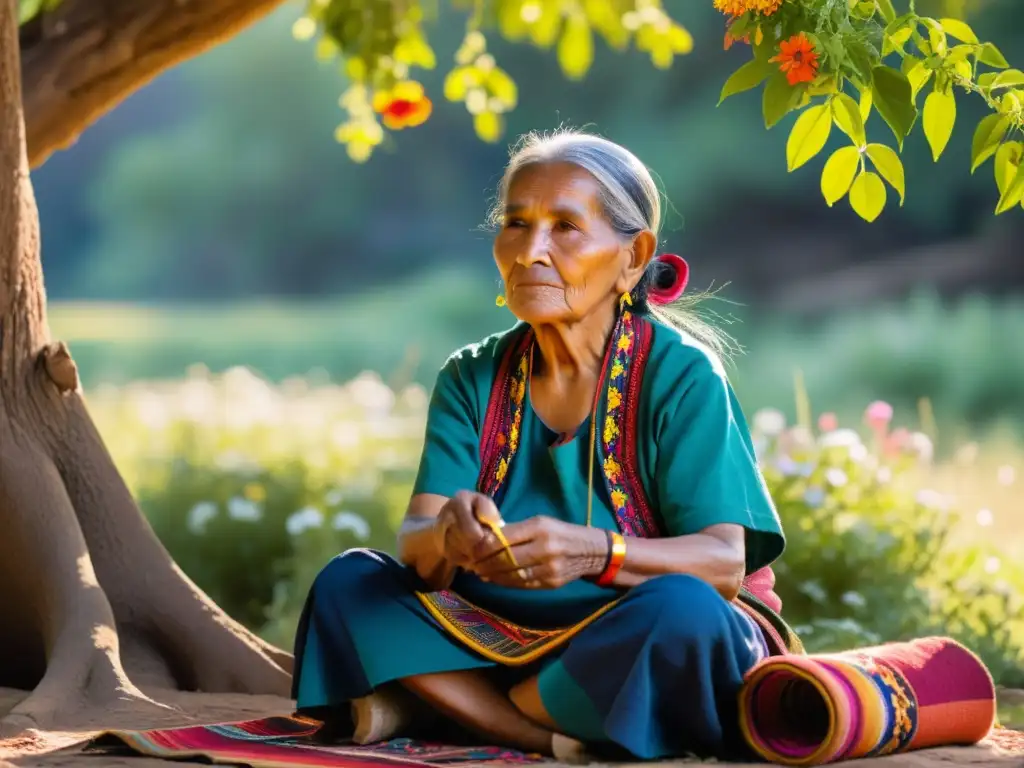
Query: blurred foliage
[803, 50]
[829, 52]
[254, 487]
[967, 357]
[202, 186]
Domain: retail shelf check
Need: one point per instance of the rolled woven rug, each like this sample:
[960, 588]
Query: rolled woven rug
[822, 708]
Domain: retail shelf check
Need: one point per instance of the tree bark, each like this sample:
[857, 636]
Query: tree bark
[93, 605]
[82, 59]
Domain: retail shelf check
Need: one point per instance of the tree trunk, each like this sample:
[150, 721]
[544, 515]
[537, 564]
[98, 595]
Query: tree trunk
[82, 59]
[92, 604]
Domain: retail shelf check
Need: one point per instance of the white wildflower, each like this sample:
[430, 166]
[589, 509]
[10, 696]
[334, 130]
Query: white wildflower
[303, 520]
[922, 446]
[769, 421]
[243, 509]
[1006, 475]
[853, 599]
[984, 518]
[840, 438]
[353, 523]
[884, 475]
[932, 499]
[836, 477]
[200, 515]
[992, 565]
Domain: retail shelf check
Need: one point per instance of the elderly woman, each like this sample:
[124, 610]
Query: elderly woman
[584, 560]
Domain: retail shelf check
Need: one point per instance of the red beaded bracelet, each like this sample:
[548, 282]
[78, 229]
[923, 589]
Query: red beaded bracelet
[616, 557]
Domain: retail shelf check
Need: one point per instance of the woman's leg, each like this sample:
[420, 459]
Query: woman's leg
[475, 702]
[658, 675]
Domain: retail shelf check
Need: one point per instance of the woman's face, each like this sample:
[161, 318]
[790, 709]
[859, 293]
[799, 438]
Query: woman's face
[557, 253]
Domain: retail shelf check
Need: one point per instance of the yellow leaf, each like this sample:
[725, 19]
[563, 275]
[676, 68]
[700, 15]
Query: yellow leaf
[848, 118]
[865, 104]
[889, 166]
[938, 118]
[917, 73]
[1014, 192]
[838, 173]
[867, 196]
[959, 29]
[987, 137]
[503, 87]
[487, 126]
[576, 47]
[809, 134]
[1008, 157]
[545, 25]
[459, 81]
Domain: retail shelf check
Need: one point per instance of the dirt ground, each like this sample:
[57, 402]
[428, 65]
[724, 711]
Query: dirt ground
[60, 749]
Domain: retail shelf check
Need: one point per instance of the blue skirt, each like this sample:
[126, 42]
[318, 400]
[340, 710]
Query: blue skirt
[656, 674]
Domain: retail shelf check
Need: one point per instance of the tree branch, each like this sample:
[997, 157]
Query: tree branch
[84, 58]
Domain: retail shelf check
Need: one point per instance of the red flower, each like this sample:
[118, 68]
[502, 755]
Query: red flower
[798, 59]
[406, 106]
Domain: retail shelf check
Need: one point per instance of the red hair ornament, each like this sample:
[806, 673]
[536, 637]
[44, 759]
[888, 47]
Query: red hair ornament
[666, 294]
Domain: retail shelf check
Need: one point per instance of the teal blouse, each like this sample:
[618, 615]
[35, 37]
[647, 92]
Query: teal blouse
[695, 455]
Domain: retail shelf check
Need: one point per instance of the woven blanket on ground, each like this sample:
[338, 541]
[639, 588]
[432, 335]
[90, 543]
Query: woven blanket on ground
[289, 742]
[815, 709]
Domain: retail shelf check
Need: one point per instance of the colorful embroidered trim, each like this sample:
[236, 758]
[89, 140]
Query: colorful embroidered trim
[504, 419]
[493, 637]
[631, 342]
[627, 361]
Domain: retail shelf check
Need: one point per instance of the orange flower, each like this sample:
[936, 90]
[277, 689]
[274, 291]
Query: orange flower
[405, 106]
[739, 7]
[798, 59]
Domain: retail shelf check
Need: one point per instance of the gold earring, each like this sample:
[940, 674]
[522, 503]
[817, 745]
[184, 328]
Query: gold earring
[500, 301]
[625, 300]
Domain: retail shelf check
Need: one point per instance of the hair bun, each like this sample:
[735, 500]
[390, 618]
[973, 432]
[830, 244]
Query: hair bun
[670, 278]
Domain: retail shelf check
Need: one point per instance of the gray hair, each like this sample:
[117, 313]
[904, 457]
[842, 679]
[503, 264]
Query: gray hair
[629, 195]
[632, 203]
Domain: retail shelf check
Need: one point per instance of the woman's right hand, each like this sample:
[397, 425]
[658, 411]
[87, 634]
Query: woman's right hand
[458, 533]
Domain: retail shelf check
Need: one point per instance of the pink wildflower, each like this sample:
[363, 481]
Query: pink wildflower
[828, 422]
[878, 415]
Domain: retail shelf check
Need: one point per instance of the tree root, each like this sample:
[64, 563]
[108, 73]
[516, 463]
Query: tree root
[93, 584]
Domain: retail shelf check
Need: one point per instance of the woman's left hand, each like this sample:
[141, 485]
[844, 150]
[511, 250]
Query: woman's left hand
[549, 553]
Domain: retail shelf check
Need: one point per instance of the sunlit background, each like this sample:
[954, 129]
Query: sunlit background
[258, 320]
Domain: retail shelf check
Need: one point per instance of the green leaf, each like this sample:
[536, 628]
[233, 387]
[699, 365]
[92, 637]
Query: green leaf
[938, 119]
[750, 75]
[893, 98]
[28, 10]
[576, 47]
[838, 173]
[867, 195]
[809, 134]
[889, 166]
[991, 55]
[959, 29]
[987, 137]
[885, 8]
[779, 98]
[1014, 192]
[848, 117]
[1008, 79]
